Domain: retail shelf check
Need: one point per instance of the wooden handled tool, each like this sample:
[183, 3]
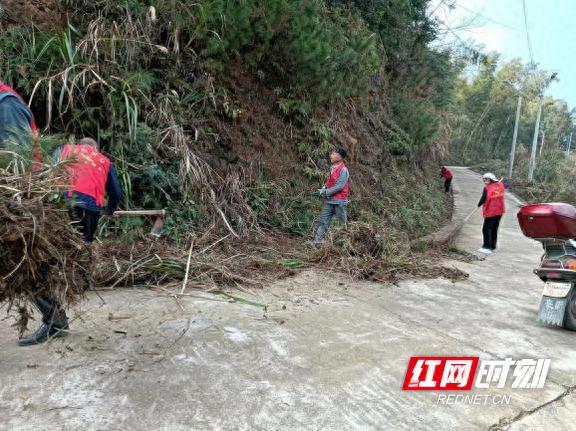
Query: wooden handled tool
[158, 226]
[158, 213]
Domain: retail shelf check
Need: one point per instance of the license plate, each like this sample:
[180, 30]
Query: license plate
[556, 290]
[552, 310]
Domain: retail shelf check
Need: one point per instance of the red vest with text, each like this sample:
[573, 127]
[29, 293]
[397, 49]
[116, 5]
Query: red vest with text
[5, 88]
[89, 170]
[494, 205]
[342, 194]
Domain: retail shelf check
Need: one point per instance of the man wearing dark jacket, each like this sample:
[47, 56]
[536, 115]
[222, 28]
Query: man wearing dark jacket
[92, 177]
[17, 123]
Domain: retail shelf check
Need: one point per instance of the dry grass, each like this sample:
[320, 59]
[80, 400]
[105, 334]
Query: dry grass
[40, 255]
[212, 263]
[208, 262]
[223, 196]
[379, 253]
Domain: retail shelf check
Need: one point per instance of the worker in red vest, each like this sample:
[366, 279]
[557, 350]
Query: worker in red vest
[17, 124]
[447, 175]
[492, 203]
[336, 193]
[92, 177]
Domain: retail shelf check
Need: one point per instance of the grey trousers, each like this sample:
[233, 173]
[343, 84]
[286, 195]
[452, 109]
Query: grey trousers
[329, 211]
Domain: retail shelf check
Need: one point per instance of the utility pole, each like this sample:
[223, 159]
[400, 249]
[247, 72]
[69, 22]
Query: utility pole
[569, 145]
[515, 136]
[542, 141]
[532, 164]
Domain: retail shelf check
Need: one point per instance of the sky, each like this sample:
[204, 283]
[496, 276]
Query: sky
[499, 26]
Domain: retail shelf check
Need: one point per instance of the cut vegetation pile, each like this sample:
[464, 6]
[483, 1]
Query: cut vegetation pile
[206, 262]
[40, 253]
[376, 252]
[362, 250]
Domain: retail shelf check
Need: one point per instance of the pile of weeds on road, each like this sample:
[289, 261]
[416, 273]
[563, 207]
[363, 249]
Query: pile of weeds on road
[40, 255]
[206, 261]
[380, 253]
[364, 251]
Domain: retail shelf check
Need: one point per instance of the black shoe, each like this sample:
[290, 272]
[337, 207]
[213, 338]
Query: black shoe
[44, 333]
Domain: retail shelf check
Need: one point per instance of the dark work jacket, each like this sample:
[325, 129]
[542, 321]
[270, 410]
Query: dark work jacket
[16, 120]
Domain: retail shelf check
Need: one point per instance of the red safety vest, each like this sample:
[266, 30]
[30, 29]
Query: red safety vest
[5, 88]
[494, 205]
[342, 194]
[89, 171]
[447, 173]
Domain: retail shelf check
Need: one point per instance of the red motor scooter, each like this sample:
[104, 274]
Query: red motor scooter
[554, 225]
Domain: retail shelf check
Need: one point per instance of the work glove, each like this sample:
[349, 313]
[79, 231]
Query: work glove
[322, 191]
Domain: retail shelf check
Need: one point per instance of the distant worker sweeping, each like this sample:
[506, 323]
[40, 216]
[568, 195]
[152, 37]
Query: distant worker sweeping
[492, 203]
[92, 177]
[336, 192]
[447, 175]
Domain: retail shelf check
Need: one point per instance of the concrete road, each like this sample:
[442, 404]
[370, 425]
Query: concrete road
[329, 353]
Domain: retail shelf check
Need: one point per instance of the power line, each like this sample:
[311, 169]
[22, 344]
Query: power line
[464, 44]
[527, 32]
[452, 5]
[438, 7]
[443, 23]
[451, 30]
[476, 13]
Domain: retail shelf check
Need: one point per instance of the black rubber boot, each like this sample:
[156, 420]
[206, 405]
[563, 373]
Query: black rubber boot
[45, 332]
[46, 308]
[41, 335]
[52, 313]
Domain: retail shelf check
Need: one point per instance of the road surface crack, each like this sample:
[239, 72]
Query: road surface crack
[505, 422]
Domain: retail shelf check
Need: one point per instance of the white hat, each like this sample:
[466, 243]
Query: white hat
[490, 176]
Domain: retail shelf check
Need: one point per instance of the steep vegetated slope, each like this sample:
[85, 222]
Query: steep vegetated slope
[223, 112]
